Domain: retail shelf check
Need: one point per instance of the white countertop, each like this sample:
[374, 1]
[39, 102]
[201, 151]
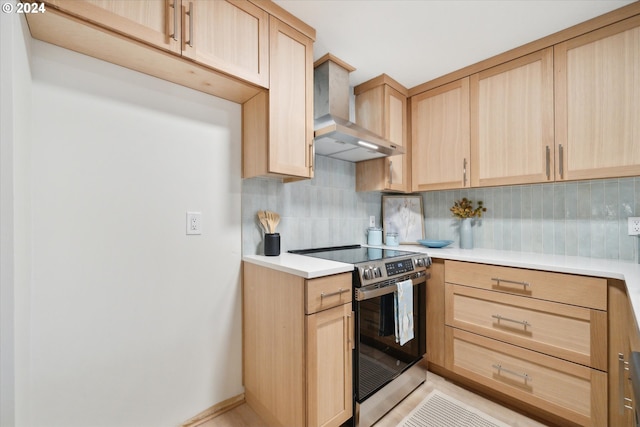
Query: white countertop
[300, 265]
[309, 267]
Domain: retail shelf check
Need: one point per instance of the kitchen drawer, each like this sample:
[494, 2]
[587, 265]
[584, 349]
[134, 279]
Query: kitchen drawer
[327, 292]
[568, 390]
[559, 287]
[577, 334]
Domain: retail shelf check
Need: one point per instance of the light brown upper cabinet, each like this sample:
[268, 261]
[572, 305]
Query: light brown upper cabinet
[597, 93]
[278, 125]
[440, 137]
[156, 22]
[230, 36]
[381, 107]
[512, 138]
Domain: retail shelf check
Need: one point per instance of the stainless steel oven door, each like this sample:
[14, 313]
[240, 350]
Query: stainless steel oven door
[379, 358]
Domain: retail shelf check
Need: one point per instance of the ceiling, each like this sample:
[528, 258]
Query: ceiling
[418, 40]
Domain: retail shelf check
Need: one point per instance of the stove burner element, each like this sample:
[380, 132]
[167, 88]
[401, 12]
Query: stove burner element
[352, 254]
[372, 264]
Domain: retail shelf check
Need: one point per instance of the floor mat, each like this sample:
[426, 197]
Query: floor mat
[440, 410]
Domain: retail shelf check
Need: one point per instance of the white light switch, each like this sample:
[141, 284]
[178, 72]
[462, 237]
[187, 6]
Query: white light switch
[194, 222]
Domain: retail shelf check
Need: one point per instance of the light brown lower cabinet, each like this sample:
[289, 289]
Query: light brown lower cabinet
[537, 340]
[298, 340]
[565, 331]
[572, 391]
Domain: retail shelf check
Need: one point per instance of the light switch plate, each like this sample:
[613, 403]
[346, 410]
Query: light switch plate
[634, 226]
[194, 222]
[372, 221]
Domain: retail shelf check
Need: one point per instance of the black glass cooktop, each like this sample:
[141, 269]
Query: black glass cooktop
[353, 254]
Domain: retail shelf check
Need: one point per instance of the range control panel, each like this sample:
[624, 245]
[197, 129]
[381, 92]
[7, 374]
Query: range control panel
[399, 267]
[382, 270]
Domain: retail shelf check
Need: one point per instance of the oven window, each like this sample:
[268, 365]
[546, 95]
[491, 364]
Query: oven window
[379, 358]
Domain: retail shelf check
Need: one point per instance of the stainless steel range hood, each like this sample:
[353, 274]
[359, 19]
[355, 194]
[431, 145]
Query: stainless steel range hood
[335, 136]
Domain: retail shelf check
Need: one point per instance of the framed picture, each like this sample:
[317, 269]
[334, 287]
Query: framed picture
[403, 215]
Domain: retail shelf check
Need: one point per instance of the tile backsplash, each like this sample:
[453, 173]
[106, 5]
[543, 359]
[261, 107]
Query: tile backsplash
[323, 211]
[584, 218]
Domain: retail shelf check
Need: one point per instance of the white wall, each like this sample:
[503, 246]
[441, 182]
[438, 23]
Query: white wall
[131, 321]
[15, 272]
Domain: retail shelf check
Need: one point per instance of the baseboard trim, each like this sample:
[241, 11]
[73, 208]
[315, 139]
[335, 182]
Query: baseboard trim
[214, 411]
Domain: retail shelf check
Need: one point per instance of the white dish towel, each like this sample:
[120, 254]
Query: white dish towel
[403, 310]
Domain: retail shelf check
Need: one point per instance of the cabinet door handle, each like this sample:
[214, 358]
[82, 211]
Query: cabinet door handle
[623, 366]
[351, 332]
[190, 13]
[513, 282]
[506, 319]
[548, 162]
[330, 294]
[464, 172]
[523, 375]
[390, 172]
[312, 154]
[174, 35]
[561, 160]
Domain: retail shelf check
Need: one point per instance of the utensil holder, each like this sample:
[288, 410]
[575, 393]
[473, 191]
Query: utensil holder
[272, 244]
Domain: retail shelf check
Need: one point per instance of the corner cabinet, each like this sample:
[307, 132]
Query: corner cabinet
[298, 347]
[623, 339]
[597, 93]
[278, 124]
[381, 107]
[512, 138]
[440, 138]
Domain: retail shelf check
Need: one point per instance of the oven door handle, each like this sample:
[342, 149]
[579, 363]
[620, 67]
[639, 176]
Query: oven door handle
[365, 294]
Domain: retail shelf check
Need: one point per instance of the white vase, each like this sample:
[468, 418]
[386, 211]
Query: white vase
[466, 233]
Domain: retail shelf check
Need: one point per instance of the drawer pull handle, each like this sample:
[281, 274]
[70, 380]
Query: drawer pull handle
[506, 319]
[338, 292]
[513, 282]
[524, 376]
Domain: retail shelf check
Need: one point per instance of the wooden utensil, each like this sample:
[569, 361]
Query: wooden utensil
[269, 221]
[272, 219]
[276, 221]
[262, 216]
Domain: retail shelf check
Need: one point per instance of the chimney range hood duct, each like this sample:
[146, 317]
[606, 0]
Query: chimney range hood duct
[334, 135]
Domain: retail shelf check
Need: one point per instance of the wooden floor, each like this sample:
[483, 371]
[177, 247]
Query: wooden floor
[243, 416]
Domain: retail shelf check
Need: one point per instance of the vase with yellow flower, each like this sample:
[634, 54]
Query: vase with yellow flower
[463, 210]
